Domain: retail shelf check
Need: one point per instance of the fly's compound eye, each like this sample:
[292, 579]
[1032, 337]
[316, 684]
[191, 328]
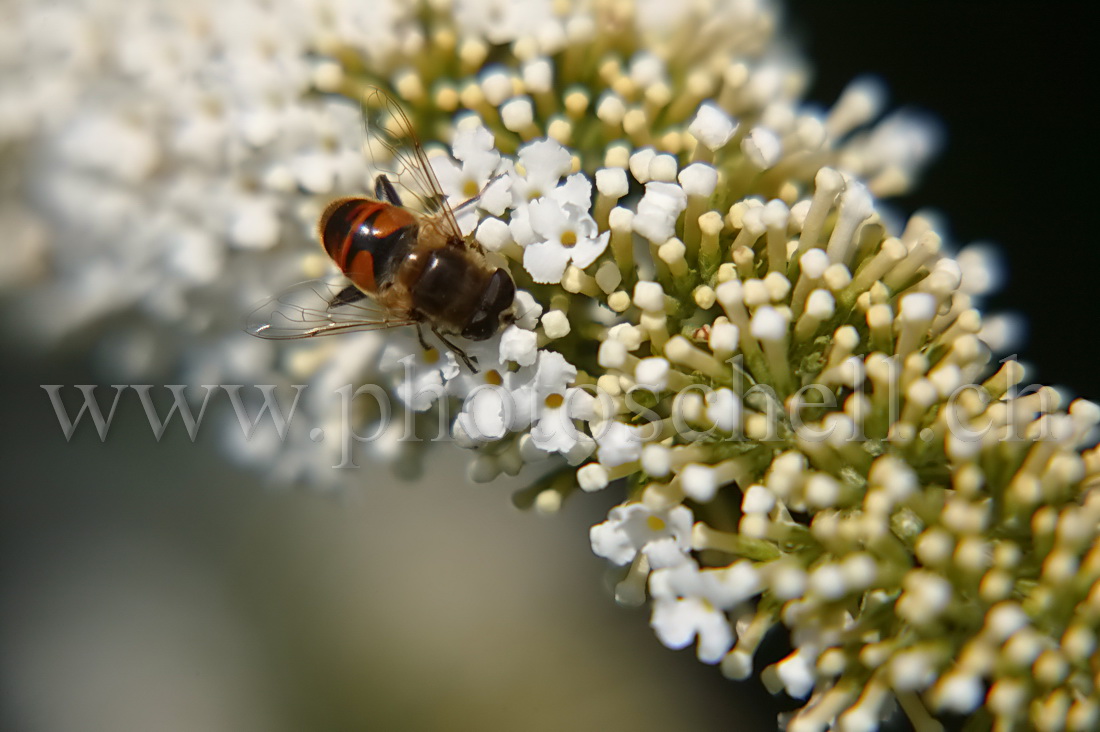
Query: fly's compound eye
[494, 308]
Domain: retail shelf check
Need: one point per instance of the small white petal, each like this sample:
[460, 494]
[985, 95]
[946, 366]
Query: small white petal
[519, 345]
[547, 157]
[758, 499]
[612, 182]
[528, 310]
[620, 444]
[483, 417]
[762, 147]
[517, 114]
[493, 234]
[554, 432]
[575, 190]
[586, 251]
[538, 75]
[663, 167]
[724, 410]
[656, 460]
[555, 324]
[698, 179]
[609, 542]
[520, 226]
[658, 210]
[496, 196]
[699, 482]
[553, 373]
[797, 674]
[674, 623]
[591, 478]
[652, 373]
[724, 337]
[768, 324]
[548, 219]
[712, 126]
[639, 163]
[546, 261]
[649, 296]
[918, 307]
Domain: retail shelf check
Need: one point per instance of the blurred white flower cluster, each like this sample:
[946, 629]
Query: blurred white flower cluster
[715, 314]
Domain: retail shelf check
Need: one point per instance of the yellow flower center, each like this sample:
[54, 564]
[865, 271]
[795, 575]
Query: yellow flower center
[494, 378]
[431, 356]
[470, 189]
[655, 523]
[554, 401]
[568, 239]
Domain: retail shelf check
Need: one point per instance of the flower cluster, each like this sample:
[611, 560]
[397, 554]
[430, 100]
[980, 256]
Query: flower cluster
[715, 315]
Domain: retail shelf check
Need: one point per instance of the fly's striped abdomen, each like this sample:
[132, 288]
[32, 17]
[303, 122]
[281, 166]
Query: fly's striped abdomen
[367, 239]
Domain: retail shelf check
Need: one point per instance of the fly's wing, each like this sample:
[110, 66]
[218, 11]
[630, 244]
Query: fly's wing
[317, 308]
[389, 128]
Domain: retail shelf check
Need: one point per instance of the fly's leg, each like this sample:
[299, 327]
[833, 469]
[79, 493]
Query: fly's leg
[420, 337]
[456, 350]
[384, 191]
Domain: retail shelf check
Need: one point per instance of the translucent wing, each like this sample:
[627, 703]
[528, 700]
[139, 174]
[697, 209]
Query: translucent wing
[316, 308]
[389, 128]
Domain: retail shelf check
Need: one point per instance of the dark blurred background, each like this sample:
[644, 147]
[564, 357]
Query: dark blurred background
[1012, 83]
[149, 585]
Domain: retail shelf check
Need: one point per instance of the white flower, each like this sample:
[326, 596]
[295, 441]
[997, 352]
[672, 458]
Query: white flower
[552, 374]
[712, 126]
[490, 367]
[618, 444]
[763, 147]
[493, 234]
[700, 482]
[698, 179]
[553, 429]
[658, 211]
[528, 310]
[487, 414]
[568, 234]
[480, 160]
[544, 163]
[519, 345]
[664, 535]
[509, 401]
[796, 672]
[424, 373]
[677, 622]
[724, 409]
[502, 22]
[553, 217]
[689, 603]
[612, 182]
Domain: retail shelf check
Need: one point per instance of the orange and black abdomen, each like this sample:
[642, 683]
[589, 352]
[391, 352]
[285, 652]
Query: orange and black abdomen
[367, 239]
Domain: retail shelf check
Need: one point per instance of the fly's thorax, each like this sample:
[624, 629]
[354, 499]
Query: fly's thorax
[446, 286]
